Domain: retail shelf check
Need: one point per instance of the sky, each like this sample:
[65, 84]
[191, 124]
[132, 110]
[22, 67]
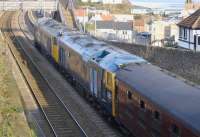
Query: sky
[161, 3]
[171, 1]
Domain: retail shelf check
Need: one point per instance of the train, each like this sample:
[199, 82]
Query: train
[141, 97]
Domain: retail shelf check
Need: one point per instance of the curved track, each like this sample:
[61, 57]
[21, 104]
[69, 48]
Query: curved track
[60, 119]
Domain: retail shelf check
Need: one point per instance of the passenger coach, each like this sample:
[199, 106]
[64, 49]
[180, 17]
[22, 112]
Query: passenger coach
[139, 96]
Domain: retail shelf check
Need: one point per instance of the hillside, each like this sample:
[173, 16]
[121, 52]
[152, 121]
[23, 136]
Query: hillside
[116, 9]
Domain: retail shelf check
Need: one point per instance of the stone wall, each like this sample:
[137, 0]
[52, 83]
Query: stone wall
[181, 62]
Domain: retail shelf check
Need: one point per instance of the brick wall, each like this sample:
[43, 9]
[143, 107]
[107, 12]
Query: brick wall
[181, 62]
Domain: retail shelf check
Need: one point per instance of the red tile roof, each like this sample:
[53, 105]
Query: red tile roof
[106, 17]
[80, 12]
[138, 22]
[193, 21]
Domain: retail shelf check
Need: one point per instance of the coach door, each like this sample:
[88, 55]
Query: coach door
[93, 82]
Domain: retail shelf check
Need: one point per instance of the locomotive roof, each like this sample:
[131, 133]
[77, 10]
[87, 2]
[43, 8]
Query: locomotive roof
[51, 26]
[118, 58]
[91, 49]
[169, 93]
[85, 45]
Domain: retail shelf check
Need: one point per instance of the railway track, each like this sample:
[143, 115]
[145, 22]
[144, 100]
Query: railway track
[61, 121]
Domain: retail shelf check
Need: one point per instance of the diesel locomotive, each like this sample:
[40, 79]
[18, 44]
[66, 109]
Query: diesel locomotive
[141, 97]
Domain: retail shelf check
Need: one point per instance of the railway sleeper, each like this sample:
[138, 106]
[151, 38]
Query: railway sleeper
[83, 92]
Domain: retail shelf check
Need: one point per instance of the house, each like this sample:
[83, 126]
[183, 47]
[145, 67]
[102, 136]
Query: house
[164, 31]
[158, 11]
[123, 17]
[82, 15]
[95, 1]
[189, 32]
[101, 17]
[107, 17]
[84, 1]
[139, 24]
[105, 1]
[112, 1]
[138, 10]
[115, 31]
[190, 7]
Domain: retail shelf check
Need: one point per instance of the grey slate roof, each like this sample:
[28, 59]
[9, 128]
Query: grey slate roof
[170, 94]
[114, 25]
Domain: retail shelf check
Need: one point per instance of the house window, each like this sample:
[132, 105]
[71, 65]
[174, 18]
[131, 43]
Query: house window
[175, 130]
[185, 33]
[129, 94]
[198, 40]
[156, 115]
[142, 104]
[180, 32]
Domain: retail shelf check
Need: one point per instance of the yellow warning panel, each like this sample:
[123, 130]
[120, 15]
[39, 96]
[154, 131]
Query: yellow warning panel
[55, 53]
[111, 86]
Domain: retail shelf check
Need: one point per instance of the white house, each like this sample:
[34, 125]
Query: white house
[117, 31]
[85, 1]
[82, 15]
[112, 1]
[96, 1]
[140, 10]
[123, 17]
[164, 30]
[189, 32]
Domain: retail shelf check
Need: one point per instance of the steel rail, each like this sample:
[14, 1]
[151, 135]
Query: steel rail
[11, 33]
[72, 116]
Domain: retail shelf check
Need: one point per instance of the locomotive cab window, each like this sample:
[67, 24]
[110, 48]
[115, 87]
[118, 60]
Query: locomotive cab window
[142, 104]
[54, 41]
[175, 130]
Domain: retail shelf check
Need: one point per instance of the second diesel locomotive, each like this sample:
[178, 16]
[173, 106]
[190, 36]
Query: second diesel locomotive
[138, 95]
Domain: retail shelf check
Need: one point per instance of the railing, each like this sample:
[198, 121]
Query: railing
[25, 5]
[60, 8]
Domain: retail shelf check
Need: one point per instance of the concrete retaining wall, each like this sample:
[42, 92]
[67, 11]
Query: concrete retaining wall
[181, 62]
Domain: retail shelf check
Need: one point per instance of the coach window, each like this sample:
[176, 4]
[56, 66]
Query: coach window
[129, 94]
[68, 54]
[156, 115]
[175, 130]
[198, 40]
[142, 104]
